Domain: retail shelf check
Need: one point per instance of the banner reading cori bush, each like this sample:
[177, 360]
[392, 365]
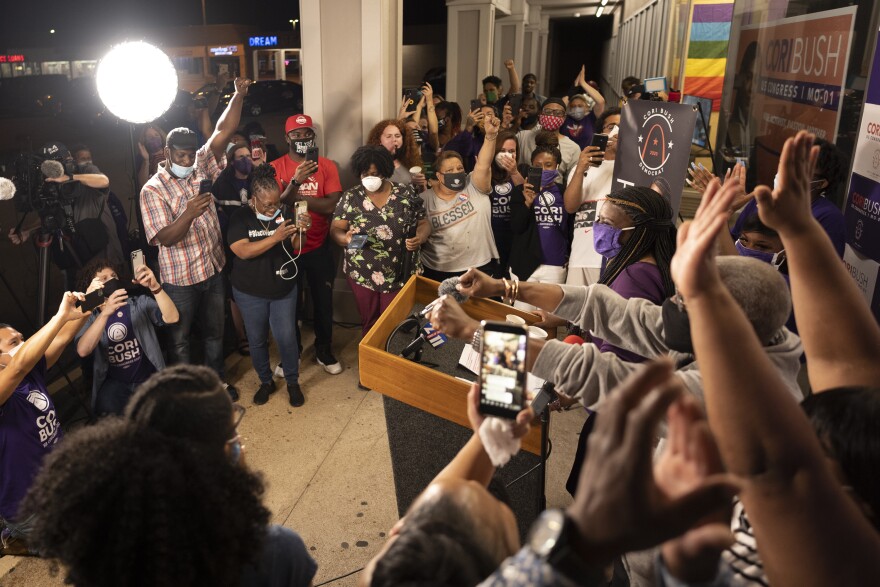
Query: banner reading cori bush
[862, 211]
[799, 66]
[654, 147]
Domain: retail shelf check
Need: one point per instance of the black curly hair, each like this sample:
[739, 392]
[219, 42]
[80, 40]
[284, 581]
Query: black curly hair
[263, 178]
[87, 273]
[832, 166]
[122, 505]
[551, 150]
[184, 401]
[654, 233]
[368, 155]
[600, 122]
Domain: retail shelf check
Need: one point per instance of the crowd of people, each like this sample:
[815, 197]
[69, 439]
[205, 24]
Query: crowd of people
[755, 478]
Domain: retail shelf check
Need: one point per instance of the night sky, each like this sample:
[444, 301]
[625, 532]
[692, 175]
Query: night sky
[26, 23]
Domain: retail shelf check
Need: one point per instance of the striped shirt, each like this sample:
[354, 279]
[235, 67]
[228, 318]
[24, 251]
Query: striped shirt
[199, 254]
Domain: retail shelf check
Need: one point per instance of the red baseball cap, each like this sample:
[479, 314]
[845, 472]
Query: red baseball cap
[298, 121]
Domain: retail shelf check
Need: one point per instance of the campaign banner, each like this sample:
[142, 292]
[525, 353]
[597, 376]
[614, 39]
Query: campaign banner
[791, 76]
[654, 147]
[862, 210]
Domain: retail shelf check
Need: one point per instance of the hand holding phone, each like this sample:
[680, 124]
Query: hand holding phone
[257, 143]
[205, 186]
[312, 155]
[137, 259]
[534, 177]
[502, 369]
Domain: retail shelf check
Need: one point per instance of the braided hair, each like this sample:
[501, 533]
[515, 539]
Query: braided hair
[263, 178]
[654, 233]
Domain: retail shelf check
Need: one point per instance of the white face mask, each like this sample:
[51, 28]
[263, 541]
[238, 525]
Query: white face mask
[181, 171]
[11, 352]
[502, 157]
[372, 183]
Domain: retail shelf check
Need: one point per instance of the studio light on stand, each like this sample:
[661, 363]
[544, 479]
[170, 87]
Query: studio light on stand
[137, 83]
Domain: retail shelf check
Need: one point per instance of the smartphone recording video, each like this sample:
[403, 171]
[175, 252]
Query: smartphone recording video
[502, 369]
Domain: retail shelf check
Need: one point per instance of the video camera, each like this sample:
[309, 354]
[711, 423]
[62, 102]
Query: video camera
[53, 201]
[649, 89]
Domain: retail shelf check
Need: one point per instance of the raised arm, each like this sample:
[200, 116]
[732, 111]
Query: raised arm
[598, 99]
[228, 121]
[843, 348]
[810, 532]
[433, 123]
[482, 174]
[512, 77]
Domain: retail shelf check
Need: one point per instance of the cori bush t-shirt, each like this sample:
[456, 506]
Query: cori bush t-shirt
[596, 187]
[552, 220]
[501, 218]
[29, 428]
[461, 231]
[126, 361]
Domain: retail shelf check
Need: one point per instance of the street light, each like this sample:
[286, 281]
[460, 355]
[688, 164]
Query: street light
[293, 23]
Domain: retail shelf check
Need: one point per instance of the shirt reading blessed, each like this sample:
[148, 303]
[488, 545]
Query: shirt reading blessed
[29, 429]
[461, 231]
[199, 254]
[324, 181]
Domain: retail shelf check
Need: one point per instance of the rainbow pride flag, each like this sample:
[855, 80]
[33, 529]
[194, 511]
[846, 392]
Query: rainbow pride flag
[707, 49]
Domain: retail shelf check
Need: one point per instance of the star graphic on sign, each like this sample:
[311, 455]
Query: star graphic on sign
[670, 144]
[640, 138]
[655, 142]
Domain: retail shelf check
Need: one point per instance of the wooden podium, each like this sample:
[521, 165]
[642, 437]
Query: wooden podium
[426, 410]
[416, 385]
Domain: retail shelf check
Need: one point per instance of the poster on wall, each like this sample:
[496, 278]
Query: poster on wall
[862, 210]
[707, 49]
[655, 146]
[789, 76]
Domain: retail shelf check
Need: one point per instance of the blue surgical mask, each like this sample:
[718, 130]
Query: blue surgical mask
[265, 218]
[577, 113]
[606, 239]
[774, 259]
[181, 171]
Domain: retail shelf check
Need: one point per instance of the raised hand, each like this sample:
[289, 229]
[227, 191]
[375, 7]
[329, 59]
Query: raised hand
[67, 310]
[113, 302]
[428, 93]
[786, 208]
[521, 425]
[508, 63]
[619, 506]
[145, 277]
[492, 124]
[241, 85]
[693, 265]
[529, 194]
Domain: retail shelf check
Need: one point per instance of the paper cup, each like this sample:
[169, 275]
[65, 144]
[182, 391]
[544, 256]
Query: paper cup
[514, 319]
[536, 332]
[415, 170]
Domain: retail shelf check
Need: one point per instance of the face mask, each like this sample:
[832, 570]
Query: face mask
[441, 123]
[371, 183]
[153, 144]
[676, 328]
[181, 171]
[577, 113]
[549, 122]
[300, 146]
[606, 239]
[265, 218]
[530, 119]
[502, 157]
[455, 181]
[491, 97]
[11, 352]
[548, 176]
[774, 259]
[243, 165]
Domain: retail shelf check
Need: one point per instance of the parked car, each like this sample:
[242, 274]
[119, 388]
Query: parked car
[263, 96]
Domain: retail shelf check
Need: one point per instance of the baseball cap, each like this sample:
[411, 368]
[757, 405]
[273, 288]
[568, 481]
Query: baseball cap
[182, 138]
[55, 150]
[298, 121]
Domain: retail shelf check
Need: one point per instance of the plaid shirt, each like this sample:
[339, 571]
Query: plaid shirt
[199, 254]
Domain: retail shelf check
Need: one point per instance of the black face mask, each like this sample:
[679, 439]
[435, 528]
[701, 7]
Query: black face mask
[301, 146]
[531, 119]
[455, 181]
[676, 328]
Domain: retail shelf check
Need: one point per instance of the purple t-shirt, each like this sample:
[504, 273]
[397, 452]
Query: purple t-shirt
[639, 280]
[29, 429]
[824, 211]
[580, 131]
[126, 361]
[552, 222]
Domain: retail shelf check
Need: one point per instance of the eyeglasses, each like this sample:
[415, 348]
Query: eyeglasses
[609, 126]
[547, 112]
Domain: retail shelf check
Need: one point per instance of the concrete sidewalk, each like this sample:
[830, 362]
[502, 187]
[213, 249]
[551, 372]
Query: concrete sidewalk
[327, 465]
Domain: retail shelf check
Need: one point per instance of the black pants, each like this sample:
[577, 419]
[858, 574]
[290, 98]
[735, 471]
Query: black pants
[317, 269]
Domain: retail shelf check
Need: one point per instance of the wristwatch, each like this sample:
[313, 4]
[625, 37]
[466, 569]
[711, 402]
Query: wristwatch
[550, 538]
[293, 181]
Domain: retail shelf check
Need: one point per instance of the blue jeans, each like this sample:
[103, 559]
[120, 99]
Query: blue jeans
[205, 302]
[113, 396]
[259, 314]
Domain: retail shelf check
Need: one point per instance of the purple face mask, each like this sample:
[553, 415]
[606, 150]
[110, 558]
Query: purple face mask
[153, 144]
[606, 239]
[774, 259]
[243, 165]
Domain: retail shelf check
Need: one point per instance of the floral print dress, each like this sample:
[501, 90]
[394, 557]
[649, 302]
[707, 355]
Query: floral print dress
[378, 264]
